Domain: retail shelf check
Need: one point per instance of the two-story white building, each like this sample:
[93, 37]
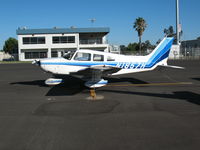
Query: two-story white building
[47, 43]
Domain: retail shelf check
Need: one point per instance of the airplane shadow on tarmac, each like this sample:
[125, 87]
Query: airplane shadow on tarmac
[72, 85]
[198, 79]
[181, 95]
[39, 83]
[124, 79]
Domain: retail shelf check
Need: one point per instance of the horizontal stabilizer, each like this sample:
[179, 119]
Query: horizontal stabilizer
[53, 81]
[175, 67]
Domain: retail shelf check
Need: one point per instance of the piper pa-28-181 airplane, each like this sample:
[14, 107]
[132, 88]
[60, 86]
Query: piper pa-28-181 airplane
[92, 66]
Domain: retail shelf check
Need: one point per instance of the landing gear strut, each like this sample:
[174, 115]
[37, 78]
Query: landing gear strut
[93, 94]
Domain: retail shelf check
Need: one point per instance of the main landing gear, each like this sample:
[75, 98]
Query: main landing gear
[93, 94]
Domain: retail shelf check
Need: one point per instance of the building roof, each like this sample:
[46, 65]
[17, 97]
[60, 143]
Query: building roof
[24, 31]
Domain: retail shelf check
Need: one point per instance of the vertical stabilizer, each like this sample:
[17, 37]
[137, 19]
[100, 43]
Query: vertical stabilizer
[160, 54]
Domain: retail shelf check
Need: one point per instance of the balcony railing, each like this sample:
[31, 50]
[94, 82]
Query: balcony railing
[92, 41]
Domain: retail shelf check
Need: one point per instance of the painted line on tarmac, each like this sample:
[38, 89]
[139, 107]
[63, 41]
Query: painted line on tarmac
[152, 84]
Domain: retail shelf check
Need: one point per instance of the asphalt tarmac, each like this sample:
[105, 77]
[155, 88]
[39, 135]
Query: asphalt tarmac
[158, 110]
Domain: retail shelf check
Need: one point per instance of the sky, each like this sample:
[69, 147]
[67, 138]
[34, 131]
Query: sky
[118, 15]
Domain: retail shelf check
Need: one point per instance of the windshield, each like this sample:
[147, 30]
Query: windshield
[80, 56]
[69, 55]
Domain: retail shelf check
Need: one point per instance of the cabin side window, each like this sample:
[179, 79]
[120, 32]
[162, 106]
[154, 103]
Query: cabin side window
[82, 56]
[97, 57]
[110, 58]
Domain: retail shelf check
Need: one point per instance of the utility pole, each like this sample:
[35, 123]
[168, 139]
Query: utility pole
[177, 22]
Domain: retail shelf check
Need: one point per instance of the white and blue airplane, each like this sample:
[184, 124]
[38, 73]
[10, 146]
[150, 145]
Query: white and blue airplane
[92, 66]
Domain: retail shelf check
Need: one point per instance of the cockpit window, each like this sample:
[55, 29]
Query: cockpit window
[69, 55]
[80, 56]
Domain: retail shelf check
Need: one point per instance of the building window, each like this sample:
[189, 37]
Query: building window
[33, 40]
[55, 39]
[71, 39]
[35, 55]
[54, 54]
[91, 41]
[63, 39]
[41, 40]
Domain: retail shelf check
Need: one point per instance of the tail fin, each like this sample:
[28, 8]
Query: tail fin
[160, 54]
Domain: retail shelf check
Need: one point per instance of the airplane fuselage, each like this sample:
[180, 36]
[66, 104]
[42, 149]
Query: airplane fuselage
[128, 64]
[95, 64]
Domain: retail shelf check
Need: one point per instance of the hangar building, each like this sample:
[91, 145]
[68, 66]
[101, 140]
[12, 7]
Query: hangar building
[47, 43]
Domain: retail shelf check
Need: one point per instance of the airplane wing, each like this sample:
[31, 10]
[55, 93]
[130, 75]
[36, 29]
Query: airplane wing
[97, 70]
[94, 74]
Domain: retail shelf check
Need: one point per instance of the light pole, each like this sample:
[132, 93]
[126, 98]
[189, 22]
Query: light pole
[177, 21]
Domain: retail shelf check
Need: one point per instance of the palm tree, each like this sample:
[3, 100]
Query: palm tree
[140, 25]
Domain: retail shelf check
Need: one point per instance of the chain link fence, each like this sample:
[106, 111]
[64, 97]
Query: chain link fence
[190, 53]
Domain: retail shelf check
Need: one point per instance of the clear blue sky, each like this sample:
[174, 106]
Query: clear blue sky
[119, 15]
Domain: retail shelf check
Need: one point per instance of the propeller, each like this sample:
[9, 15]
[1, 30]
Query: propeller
[36, 62]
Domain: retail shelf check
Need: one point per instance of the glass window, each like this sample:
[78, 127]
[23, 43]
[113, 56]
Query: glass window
[82, 56]
[56, 40]
[34, 55]
[69, 55]
[71, 39]
[54, 54]
[41, 40]
[42, 54]
[26, 40]
[27, 55]
[63, 39]
[109, 58]
[97, 57]
[34, 40]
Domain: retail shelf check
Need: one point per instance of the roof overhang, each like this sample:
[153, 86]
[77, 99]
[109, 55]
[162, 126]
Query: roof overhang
[62, 31]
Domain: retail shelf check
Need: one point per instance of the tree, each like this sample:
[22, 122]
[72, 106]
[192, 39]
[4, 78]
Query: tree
[11, 46]
[133, 47]
[169, 32]
[140, 26]
[198, 38]
[147, 45]
[158, 42]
